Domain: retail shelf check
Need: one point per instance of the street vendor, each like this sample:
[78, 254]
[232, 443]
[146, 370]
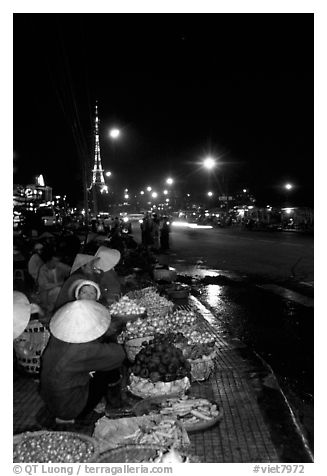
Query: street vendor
[78, 367]
[98, 268]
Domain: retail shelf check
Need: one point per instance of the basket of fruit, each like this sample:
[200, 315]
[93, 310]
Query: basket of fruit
[146, 454]
[201, 357]
[159, 369]
[201, 368]
[127, 310]
[54, 447]
[133, 346]
[195, 414]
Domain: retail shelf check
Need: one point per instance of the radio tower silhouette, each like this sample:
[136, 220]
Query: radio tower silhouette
[97, 171]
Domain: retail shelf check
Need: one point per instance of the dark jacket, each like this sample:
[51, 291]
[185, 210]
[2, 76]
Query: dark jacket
[65, 373]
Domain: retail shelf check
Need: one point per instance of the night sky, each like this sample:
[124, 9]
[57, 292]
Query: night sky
[180, 86]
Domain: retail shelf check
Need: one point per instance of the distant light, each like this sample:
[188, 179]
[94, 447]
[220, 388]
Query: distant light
[169, 181]
[40, 180]
[126, 196]
[206, 214]
[114, 133]
[244, 190]
[142, 192]
[154, 195]
[250, 207]
[209, 163]
[288, 186]
[165, 192]
[140, 221]
[126, 190]
[210, 194]
[125, 219]
[288, 210]
[167, 200]
[188, 195]
[149, 189]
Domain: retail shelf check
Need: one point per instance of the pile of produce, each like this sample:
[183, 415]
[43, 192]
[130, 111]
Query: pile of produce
[144, 327]
[53, 447]
[198, 351]
[179, 322]
[163, 433]
[160, 360]
[126, 306]
[198, 337]
[143, 430]
[190, 410]
[181, 318]
[155, 305]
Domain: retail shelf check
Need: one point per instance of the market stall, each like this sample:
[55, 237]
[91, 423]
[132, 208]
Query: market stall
[169, 351]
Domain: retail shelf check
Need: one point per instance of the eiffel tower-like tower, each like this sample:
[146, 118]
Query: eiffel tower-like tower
[98, 186]
[97, 171]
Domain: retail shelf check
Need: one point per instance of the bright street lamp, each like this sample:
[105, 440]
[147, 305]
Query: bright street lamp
[209, 163]
[114, 133]
[288, 186]
[149, 189]
[210, 194]
[142, 192]
[154, 195]
[108, 174]
[170, 181]
[165, 192]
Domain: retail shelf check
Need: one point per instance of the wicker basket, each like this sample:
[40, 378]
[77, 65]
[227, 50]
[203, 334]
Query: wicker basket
[30, 345]
[133, 346]
[201, 368]
[18, 440]
[137, 454]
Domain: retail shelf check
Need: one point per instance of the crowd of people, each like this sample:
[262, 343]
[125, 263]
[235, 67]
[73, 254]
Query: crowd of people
[71, 286]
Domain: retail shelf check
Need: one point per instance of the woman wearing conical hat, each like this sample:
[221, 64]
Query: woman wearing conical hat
[98, 268]
[77, 364]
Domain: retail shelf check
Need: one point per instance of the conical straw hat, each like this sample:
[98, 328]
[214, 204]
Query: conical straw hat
[108, 258]
[21, 313]
[80, 260]
[80, 321]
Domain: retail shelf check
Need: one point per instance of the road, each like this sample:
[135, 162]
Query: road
[277, 255]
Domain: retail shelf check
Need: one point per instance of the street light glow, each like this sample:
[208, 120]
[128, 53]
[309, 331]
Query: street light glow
[114, 133]
[209, 163]
[154, 195]
[165, 192]
[108, 174]
[210, 194]
[288, 186]
[169, 181]
[126, 195]
[244, 190]
[142, 192]
[149, 189]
